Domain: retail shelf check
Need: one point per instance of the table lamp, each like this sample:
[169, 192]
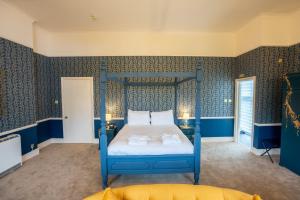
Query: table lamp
[108, 119]
[186, 116]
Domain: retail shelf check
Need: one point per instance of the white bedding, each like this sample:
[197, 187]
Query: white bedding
[119, 145]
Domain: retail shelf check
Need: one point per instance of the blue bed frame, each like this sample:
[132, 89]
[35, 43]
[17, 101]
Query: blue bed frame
[148, 164]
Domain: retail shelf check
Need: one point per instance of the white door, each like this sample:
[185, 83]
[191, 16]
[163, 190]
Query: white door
[78, 109]
[244, 110]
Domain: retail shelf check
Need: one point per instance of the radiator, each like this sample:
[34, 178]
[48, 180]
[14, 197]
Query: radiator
[10, 153]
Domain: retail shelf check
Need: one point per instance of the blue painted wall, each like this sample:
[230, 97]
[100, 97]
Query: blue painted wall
[56, 130]
[97, 125]
[265, 132]
[49, 129]
[209, 127]
[43, 131]
[39, 133]
[29, 139]
[214, 127]
[290, 139]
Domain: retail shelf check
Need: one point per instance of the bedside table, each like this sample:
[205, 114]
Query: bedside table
[188, 131]
[110, 132]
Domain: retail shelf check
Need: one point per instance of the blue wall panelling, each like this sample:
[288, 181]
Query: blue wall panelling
[56, 128]
[43, 131]
[52, 128]
[29, 138]
[220, 127]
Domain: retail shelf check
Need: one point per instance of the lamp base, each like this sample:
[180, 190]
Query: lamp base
[110, 126]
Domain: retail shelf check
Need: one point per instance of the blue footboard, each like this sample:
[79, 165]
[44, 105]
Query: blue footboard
[146, 164]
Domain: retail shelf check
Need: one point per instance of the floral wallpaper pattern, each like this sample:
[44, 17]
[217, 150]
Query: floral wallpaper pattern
[17, 85]
[268, 64]
[30, 82]
[154, 97]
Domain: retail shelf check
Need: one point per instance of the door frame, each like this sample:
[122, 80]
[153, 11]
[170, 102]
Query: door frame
[91, 79]
[236, 108]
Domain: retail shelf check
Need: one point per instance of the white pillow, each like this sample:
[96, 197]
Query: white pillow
[138, 117]
[162, 118]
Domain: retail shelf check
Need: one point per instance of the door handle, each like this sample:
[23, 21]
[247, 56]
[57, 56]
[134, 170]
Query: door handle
[66, 117]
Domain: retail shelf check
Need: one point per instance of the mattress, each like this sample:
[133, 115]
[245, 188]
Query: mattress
[119, 145]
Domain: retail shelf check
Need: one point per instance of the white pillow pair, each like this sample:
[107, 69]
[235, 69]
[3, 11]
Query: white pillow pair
[157, 118]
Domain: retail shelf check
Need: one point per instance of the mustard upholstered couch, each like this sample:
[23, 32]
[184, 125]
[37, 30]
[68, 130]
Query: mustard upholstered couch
[171, 192]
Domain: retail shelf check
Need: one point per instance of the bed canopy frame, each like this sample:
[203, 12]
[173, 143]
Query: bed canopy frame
[148, 164]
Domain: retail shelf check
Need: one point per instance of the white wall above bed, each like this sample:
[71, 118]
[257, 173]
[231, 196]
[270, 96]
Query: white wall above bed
[15, 25]
[280, 29]
[135, 43]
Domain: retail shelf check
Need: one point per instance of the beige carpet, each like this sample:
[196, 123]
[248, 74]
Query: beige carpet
[72, 171]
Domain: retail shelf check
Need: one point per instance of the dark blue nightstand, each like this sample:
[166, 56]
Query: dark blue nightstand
[111, 132]
[189, 131]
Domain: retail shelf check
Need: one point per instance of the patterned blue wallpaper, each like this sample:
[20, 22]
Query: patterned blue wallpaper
[30, 83]
[146, 98]
[215, 86]
[263, 62]
[294, 58]
[72, 67]
[43, 74]
[17, 85]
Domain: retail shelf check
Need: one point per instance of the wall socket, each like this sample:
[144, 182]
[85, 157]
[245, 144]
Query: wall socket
[227, 100]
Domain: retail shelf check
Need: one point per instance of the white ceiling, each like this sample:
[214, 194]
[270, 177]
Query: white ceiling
[150, 15]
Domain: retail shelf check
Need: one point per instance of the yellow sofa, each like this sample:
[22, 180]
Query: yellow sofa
[171, 192]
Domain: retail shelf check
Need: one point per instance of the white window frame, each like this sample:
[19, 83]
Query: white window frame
[236, 108]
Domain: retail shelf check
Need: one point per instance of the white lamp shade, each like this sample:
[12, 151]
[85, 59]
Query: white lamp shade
[186, 115]
[108, 117]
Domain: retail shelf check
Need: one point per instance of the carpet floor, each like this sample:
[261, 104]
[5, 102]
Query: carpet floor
[72, 171]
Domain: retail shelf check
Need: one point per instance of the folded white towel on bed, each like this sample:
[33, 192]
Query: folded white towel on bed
[168, 139]
[138, 140]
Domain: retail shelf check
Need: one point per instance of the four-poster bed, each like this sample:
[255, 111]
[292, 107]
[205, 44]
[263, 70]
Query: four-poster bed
[148, 164]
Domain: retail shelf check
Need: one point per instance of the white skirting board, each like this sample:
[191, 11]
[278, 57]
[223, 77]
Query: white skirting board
[30, 154]
[60, 140]
[217, 139]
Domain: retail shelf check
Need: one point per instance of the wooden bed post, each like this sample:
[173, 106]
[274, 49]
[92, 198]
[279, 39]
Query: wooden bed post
[125, 101]
[197, 139]
[175, 109]
[103, 136]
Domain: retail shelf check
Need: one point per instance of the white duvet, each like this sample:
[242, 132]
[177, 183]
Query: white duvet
[119, 145]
